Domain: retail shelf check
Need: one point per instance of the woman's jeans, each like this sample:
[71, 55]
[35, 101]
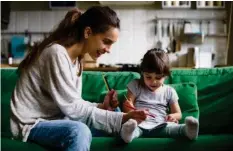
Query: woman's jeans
[64, 135]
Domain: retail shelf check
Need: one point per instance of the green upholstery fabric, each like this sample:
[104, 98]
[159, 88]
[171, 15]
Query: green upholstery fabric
[215, 93]
[120, 95]
[15, 145]
[187, 93]
[8, 82]
[93, 83]
[203, 143]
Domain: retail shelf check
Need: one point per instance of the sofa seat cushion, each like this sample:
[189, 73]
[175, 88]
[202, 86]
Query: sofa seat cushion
[204, 142]
[15, 145]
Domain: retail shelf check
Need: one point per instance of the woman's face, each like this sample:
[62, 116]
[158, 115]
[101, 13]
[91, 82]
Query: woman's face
[153, 81]
[98, 44]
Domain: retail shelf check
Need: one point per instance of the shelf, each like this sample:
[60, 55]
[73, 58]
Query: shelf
[176, 4]
[207, 35]
[184, 19]
[23, 33]
[85, 68]
[213, 3]
[216, 35]
[176, 7]
[207, 7]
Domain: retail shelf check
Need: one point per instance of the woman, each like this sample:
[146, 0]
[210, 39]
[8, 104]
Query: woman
[46, 105]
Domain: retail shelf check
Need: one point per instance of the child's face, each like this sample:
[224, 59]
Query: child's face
[153, 81]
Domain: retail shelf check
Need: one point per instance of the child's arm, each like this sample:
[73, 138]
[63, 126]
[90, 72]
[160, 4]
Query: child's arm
[175, 114]
[129, 102]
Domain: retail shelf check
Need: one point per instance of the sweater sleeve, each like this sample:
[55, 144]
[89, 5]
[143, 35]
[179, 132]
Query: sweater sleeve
[58, 82]
[79, 89]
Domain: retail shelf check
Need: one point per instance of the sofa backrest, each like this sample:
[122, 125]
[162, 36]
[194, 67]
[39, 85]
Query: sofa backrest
[93, 83]
[8, 81]
[215, 96]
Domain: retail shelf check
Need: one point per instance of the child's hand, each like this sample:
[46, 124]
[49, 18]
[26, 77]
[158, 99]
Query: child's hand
[128, 106]
[110, 101]
[171, 118]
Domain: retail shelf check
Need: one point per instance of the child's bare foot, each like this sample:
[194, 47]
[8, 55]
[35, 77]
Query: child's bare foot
[127, 130]
[191, 127]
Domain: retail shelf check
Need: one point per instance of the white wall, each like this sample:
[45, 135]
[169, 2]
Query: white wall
[137, 31]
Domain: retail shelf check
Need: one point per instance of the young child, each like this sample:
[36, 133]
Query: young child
[150, 93]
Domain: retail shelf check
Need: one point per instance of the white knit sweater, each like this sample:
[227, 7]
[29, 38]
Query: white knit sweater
[51, 90]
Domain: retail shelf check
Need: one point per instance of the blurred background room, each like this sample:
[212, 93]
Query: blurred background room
[195, 34]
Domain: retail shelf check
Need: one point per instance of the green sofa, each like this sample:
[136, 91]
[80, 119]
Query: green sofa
[206, 94]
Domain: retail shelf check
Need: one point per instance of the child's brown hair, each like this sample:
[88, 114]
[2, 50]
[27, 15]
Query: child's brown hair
[155, 61]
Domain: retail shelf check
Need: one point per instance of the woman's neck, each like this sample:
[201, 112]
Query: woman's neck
[75, 51]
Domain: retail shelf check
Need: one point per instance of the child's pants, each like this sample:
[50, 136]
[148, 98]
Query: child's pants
[171, 129]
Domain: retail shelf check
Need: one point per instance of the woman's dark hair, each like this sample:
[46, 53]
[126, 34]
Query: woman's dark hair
[71, 30]
[155, 61]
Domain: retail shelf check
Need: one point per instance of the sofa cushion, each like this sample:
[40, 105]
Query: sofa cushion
[204, 142]
[215, 93]
[120, 95]
[15, 145]
[93, 83]
[187, 93]
[8, 81]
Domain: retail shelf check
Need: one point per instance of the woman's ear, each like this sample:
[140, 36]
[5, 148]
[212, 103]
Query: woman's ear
[87, 32]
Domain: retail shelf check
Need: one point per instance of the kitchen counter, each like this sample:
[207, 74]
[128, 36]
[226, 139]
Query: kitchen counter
[85, 69]
[104, 69]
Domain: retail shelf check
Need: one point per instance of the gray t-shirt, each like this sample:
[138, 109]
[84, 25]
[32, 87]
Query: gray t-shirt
[51, 90]
[157, 102]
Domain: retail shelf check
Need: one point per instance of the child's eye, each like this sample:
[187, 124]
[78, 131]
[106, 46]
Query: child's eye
[148, 78]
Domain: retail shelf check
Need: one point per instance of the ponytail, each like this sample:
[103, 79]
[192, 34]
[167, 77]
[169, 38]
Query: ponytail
[65, 34]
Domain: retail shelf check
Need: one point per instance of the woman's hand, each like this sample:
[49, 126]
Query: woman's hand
[171, 118]
[110, 101]
[138, 115]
